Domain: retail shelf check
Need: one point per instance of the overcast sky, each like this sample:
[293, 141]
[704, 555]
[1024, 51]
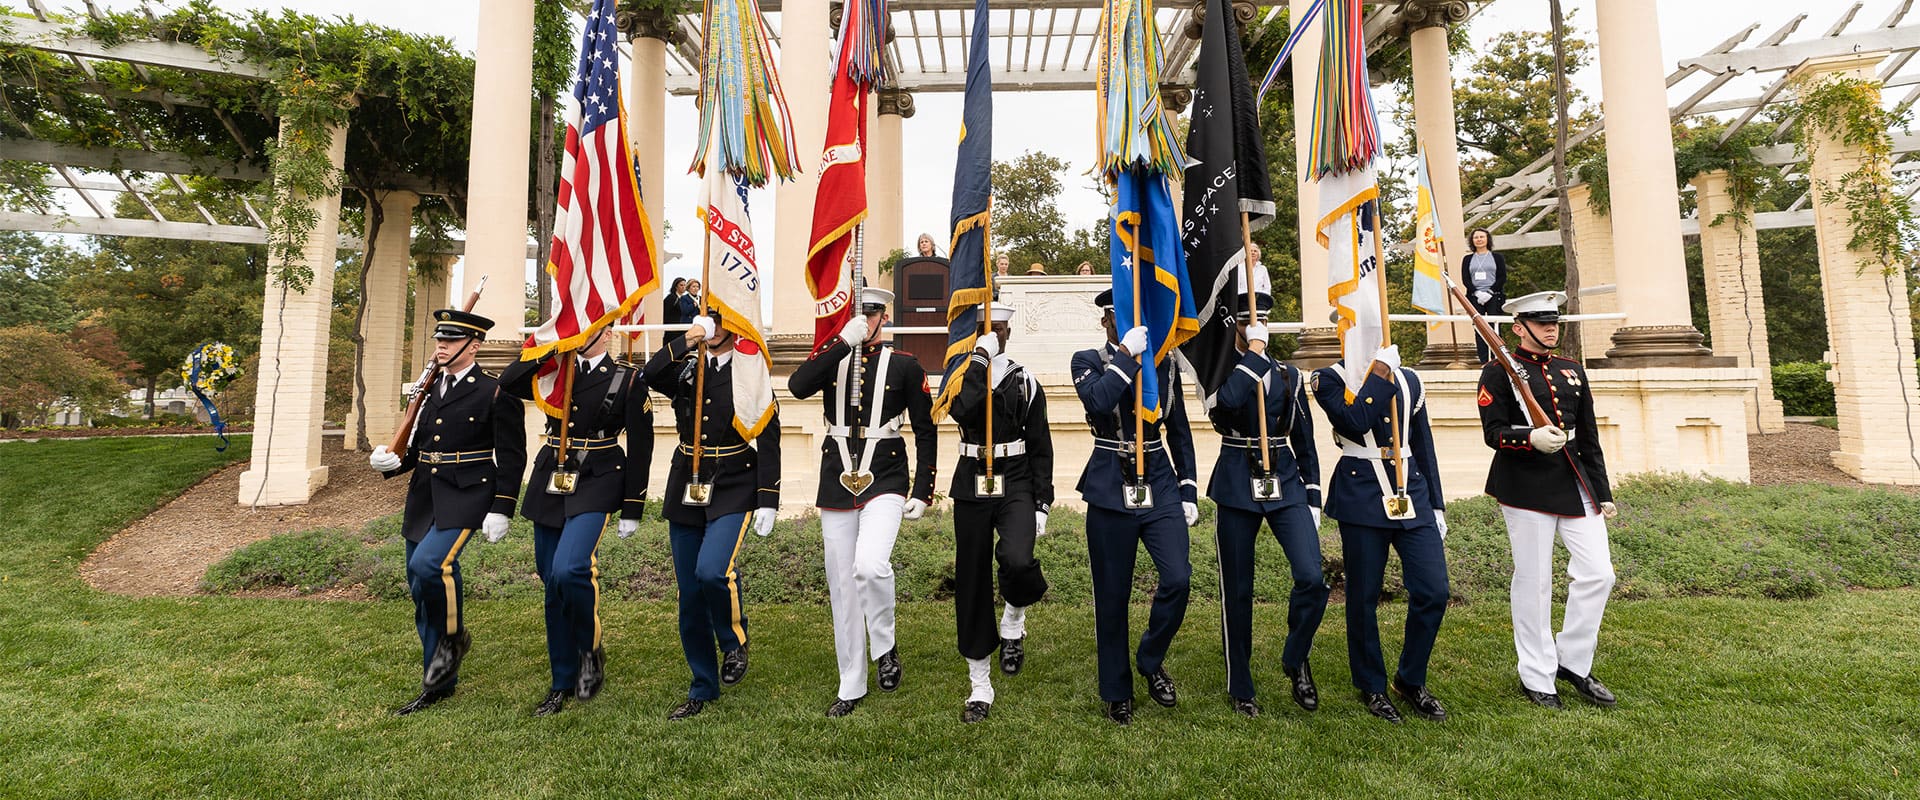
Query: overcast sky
[1060, 123]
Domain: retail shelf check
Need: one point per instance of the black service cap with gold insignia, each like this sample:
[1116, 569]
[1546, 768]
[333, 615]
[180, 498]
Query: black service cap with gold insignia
[452, 323]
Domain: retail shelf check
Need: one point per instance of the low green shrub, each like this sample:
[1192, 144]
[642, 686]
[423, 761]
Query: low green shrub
[1802, 388]
[1675, 536]
[307, 562]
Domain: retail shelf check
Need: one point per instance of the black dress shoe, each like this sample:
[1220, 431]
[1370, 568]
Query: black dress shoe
[1305, 694]
[733, 667]
[1012, 655]
[555, 701]
[593, 673]
[444, 666]
[1542, 699]
[1160, 688]
[1588, 687]
[1245, 706]
[1121, 712]
[426, 698]
[685, 710]
[1378, 705]
[1423, 703]
[890, 670]
[975, 711]
[841, 708]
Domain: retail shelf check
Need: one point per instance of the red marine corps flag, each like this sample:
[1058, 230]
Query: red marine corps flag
[840, 203]
[603, 250]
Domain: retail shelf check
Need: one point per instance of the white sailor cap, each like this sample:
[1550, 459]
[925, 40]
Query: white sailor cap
[1003, 313]
[1539, 306]
[874, 296]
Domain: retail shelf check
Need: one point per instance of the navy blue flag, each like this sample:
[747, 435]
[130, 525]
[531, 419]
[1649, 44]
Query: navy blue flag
[1144, 228]
[969, 281]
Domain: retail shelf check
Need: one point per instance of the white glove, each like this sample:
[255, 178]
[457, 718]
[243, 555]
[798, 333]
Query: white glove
[1547, 439]
[1039, 523]
[628, 526]
[1440, 521]
[1390, 356]
[1135, 341]
[1316, 517]
[495, 526]
[914, 508]
[1609, 510]
[855, 331]
[990, 342]
[1192, 511]
[1257, 332]
[762, 522]
[383, 460]
[706, 326]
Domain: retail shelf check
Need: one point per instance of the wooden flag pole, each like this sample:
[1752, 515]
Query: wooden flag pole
[566, 405]
[1253, 313]
[700, 366]
[986, 323]
[1386, 338]
[1146, 367]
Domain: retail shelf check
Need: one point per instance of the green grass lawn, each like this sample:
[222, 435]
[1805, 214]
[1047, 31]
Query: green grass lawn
[225, 697]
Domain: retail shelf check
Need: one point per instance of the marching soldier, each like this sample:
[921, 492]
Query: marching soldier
[740, 489]
[570, 504]
[467, 453]
[1288, 500]
[1013, 502]
[1376, 509]
[865, 487]
[1550, 480]
[1103, 377]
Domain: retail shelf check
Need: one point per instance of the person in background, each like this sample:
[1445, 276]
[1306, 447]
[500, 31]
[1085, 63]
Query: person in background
[924, 247]
[1484, 274]
[670, 305]
[1085, 268]
[1036, 268]
[1000, 266]
[690, 302]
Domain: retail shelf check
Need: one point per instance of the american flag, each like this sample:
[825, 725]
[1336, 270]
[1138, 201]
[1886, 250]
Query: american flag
[603, 260]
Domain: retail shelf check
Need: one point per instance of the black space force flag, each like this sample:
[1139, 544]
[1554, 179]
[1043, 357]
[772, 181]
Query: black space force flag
[1228, 175]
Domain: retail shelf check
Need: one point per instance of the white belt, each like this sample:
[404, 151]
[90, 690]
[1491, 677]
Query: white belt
[1017, 447]
[1363, 451]
[846, 432]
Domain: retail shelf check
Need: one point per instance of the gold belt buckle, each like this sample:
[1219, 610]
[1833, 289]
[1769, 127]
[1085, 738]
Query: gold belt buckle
[563, 481]
[989, 486]
[698, 493]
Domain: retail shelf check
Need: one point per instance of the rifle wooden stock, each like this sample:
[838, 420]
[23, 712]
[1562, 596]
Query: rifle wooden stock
[1498, 345]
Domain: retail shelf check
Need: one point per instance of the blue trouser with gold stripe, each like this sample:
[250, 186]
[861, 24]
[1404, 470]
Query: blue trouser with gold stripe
[433, 578]
[711, 610]
[565, 558]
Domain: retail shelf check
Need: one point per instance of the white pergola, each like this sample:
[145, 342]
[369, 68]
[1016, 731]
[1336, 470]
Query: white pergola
[1518, 205]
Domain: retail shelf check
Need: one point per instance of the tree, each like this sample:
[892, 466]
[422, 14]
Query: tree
[1027, 225]
[32, 270]
[41, 370]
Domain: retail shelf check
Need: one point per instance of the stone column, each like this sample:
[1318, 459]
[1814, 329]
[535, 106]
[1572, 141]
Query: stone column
[806, 50]
[291, 400]
[498, 176]
[1736, 309]
[886, 197]
[1652, 280]
[1869, 329]
[1450, 345]
[1319, 344]
[1593, 237]
[429, 293]
[383, 325]
[650, 33]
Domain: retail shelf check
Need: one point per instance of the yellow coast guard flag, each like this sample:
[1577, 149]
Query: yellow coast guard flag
[1429, 253]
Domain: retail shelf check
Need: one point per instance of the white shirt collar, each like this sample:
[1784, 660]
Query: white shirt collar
[590, 364]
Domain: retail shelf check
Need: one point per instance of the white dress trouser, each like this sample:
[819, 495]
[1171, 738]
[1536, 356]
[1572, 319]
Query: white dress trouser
[859, 556]
[1590, 567]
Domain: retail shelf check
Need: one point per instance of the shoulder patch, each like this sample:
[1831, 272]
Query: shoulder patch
[1486, 399]
[1313, 382]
